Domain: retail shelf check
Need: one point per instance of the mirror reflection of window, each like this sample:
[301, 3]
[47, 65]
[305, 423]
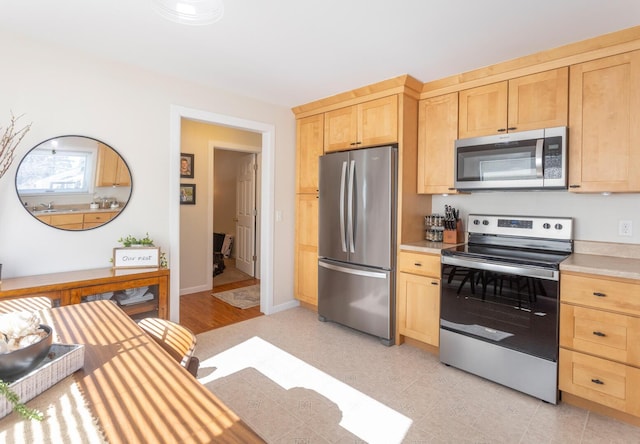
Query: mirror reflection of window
[56, 171]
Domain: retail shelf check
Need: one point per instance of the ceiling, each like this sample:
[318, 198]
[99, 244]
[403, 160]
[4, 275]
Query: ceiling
[290, 52]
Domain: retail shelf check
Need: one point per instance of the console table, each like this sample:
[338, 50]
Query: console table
[74, 287]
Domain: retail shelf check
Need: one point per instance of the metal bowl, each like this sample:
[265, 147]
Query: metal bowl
[20, 361]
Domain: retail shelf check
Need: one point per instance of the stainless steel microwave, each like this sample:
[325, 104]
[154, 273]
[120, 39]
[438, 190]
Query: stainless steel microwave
[534, 159]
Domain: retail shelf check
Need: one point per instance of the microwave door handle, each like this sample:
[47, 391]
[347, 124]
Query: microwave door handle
[343, 233]
[539, 152]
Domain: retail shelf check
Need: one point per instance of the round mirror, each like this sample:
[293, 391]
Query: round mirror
[73, 183]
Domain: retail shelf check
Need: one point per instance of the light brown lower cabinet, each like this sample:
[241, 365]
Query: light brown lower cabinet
[599, 335]
[418, 297]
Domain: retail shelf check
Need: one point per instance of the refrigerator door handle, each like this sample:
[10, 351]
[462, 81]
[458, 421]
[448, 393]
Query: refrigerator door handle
[373, 274]
[343, 179]
[352, 170]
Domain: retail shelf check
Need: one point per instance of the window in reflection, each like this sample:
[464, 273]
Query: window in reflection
[55, 171]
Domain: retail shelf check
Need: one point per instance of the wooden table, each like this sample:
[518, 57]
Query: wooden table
[135, 389]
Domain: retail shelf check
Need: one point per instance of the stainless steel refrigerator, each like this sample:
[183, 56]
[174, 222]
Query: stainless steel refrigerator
[357, 238]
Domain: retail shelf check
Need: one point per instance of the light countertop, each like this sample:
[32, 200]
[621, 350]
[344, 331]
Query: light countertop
[613, 260]
[621, 267]
[426, 246]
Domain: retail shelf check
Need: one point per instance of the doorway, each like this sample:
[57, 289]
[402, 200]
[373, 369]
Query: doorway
[236, 206]
[266, 244]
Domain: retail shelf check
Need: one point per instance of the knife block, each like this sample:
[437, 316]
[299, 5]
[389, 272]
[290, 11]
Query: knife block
[454, 236]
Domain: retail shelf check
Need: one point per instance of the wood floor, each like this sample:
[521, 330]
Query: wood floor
[201, 312]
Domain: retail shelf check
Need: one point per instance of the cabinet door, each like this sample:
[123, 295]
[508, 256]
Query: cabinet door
[419, 308]
[378, 122]
[483, 110]
[437, 133]
[306, 251]
[309, 142]
[341, 129]
[111, 170]
[539, 100]
[71, 221]
[604, 130]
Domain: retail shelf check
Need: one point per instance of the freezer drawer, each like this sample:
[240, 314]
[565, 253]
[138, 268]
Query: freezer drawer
[358, 297]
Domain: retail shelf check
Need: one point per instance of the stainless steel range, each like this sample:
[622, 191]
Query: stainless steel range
[500, 301]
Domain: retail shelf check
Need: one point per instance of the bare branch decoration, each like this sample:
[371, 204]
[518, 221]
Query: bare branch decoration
[11, 138]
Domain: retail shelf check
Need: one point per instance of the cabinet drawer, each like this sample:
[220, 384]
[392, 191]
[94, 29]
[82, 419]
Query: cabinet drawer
[605, 382]
[608, 335]
[418, 263]
[601, 293]
[66, 219]
[97, 217]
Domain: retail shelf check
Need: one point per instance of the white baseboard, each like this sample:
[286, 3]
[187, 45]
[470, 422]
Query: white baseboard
[197, 289]
[285, 306]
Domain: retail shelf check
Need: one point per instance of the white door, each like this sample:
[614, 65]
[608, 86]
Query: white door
[246, 214]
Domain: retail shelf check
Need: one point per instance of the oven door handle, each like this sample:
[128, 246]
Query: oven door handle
[497, 267]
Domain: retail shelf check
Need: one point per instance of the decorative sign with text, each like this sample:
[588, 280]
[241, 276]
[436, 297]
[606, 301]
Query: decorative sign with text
[136, 257]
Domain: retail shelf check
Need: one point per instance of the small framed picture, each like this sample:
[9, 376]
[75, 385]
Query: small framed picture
[186, 165]
[136, 257]
[187, 194]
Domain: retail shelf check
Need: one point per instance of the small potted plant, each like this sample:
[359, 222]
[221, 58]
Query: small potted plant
[132, 242]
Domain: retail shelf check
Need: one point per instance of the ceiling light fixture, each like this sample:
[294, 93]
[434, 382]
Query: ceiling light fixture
[190, 12]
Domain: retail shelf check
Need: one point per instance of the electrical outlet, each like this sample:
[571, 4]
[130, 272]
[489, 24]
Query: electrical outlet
[625, 228]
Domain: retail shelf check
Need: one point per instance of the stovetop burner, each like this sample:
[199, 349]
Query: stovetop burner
[509, 255]
[522, 240]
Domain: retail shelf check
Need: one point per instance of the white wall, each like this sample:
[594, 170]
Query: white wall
[595, 216]
[66, 92]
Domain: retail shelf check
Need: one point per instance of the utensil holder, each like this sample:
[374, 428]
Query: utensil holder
[454, 236]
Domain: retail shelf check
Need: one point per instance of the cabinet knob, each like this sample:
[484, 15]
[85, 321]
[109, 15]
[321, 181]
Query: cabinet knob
[599, 333]
[574, 186]
[597, 381]
[501, 130]
[600, 295]
[417, 264]
[434, 283]
[513, 128]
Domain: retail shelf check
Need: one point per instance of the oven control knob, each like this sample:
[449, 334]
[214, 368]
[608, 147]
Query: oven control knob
[485, 222]
[546, 225]
[476, 222]
[558, 226]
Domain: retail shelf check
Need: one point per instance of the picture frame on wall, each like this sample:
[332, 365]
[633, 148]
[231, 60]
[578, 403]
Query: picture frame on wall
[186, 165]
[187, 194]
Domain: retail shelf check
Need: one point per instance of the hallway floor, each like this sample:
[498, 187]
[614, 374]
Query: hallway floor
[201, 312]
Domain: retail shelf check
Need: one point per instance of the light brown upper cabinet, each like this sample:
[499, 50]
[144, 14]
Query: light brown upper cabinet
[437, 133]
[112, 171]
[604, 129]
[529, 102]
[366, 124]
[309, 132]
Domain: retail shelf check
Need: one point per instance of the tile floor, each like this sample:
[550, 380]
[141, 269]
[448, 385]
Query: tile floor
[444, 405]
